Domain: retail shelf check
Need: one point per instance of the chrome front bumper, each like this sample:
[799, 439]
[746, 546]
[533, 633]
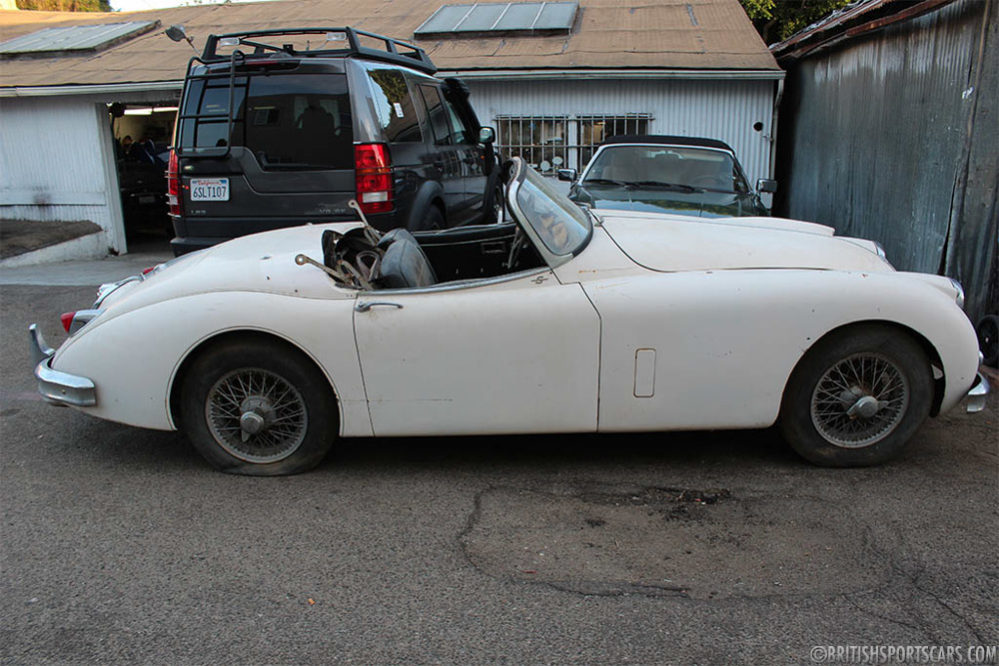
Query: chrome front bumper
[975, 399]
[58, 388]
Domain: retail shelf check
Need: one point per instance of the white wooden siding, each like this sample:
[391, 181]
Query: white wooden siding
[56, 163]
[716, 109]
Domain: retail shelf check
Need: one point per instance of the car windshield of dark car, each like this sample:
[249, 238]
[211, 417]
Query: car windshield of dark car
[677, 168]
[560, 224]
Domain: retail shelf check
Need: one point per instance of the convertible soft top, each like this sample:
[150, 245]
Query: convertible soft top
[669, 140]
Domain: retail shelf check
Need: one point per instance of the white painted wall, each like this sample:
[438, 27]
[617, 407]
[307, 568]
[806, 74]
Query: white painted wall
[56, 163]
[716, 109]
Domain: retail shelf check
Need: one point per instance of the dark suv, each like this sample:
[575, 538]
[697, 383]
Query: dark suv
[273, 133]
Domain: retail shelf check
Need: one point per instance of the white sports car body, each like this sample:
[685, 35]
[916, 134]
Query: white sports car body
[560, 321]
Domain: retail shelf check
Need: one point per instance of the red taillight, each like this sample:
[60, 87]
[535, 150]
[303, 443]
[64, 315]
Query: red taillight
[173, 183]
[373, 177]
[147, 271]
[67, 319]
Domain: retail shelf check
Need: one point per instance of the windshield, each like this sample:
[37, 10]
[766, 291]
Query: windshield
[666, 167]
[560, 224]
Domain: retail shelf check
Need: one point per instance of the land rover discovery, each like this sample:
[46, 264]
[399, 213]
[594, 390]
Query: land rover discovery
[272, 133]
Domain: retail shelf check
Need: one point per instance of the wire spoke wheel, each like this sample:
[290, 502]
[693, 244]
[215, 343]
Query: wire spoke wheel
[256, 415]
[859, 400]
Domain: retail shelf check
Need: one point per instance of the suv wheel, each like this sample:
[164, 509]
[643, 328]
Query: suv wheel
[433, 220]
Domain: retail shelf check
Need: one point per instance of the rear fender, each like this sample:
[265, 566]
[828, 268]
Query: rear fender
[431, 193]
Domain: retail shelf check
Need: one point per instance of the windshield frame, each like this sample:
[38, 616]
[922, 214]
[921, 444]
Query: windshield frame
[521, 174]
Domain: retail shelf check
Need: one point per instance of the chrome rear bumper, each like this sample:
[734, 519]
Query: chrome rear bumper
[58, 388]
[976, 397]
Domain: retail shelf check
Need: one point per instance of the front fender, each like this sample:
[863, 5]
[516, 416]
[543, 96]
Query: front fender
[133, 358]
[727, 341]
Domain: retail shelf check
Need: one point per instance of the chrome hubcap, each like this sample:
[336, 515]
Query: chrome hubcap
[860, 400]
[256, 415]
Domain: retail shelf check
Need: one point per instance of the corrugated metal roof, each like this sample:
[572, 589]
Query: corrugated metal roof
[663, 34]
[857, 18]
[74, 38]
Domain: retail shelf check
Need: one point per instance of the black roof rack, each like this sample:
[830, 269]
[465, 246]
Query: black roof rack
[394, 50]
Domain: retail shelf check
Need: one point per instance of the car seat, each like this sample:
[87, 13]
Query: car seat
[404, 264]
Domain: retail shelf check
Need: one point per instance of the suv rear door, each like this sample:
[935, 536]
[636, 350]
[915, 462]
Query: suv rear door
[285, 158]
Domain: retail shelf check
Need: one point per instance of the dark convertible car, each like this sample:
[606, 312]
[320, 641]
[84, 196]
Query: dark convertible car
[683, 175]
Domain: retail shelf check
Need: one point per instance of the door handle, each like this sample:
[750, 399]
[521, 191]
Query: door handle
[367, 305]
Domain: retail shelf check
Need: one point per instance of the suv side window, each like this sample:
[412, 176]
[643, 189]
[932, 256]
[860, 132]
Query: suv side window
[462, 132]
[458, 132]
[394, 105]
[437, 115]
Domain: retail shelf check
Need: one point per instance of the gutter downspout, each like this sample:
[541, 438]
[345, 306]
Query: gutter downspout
[778, 98]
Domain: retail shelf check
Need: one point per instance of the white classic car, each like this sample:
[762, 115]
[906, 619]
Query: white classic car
[560, 320]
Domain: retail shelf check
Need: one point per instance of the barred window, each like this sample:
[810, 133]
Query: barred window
[550, 143]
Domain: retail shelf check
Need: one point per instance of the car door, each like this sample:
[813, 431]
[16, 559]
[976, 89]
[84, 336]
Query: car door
[445, 154]
[508, 355]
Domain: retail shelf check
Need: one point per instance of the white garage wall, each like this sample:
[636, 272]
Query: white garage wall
[56, 164]
[716, 109]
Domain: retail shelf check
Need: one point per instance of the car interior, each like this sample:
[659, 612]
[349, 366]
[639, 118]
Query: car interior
[363, 258]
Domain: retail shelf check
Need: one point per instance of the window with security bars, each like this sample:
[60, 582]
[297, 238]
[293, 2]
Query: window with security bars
[550, 143]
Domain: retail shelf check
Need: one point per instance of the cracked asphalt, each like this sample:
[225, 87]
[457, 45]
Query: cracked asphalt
[120, 545]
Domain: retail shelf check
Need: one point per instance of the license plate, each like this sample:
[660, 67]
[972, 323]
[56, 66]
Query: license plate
[209, 189]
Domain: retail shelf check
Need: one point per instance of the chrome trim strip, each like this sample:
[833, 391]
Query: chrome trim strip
[109, 288]
[978, 394]
[59, 388]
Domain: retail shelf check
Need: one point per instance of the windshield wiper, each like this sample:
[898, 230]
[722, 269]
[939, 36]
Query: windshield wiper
[607, 181]
[666, 186]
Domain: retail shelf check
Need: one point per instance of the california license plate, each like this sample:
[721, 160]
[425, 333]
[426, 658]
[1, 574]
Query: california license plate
[209, 189]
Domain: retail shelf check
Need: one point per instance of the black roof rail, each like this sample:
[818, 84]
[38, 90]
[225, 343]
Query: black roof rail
[394, 50]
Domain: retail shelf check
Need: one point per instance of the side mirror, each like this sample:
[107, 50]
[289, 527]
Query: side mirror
[766, 185]
[487, 135]
[567, 175]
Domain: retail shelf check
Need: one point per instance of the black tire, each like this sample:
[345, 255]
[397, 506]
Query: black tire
[296, 412]
[865, 368]
[988, 339]
[495, 205]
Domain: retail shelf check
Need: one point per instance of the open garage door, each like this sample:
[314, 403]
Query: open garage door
[142, 133]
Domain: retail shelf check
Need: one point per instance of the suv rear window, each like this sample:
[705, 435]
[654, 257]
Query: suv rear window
[288, 121]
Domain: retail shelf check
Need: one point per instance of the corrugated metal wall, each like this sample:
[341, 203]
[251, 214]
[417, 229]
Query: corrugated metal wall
[877, 133]
[54, 163]
[718, 109]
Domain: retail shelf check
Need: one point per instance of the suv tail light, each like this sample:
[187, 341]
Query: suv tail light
[173, 184]
[373, 177]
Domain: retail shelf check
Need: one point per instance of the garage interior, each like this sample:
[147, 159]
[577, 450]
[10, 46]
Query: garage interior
[142, 134]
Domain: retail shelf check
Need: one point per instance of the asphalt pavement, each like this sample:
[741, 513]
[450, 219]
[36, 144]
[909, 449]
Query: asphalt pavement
[120, 545]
